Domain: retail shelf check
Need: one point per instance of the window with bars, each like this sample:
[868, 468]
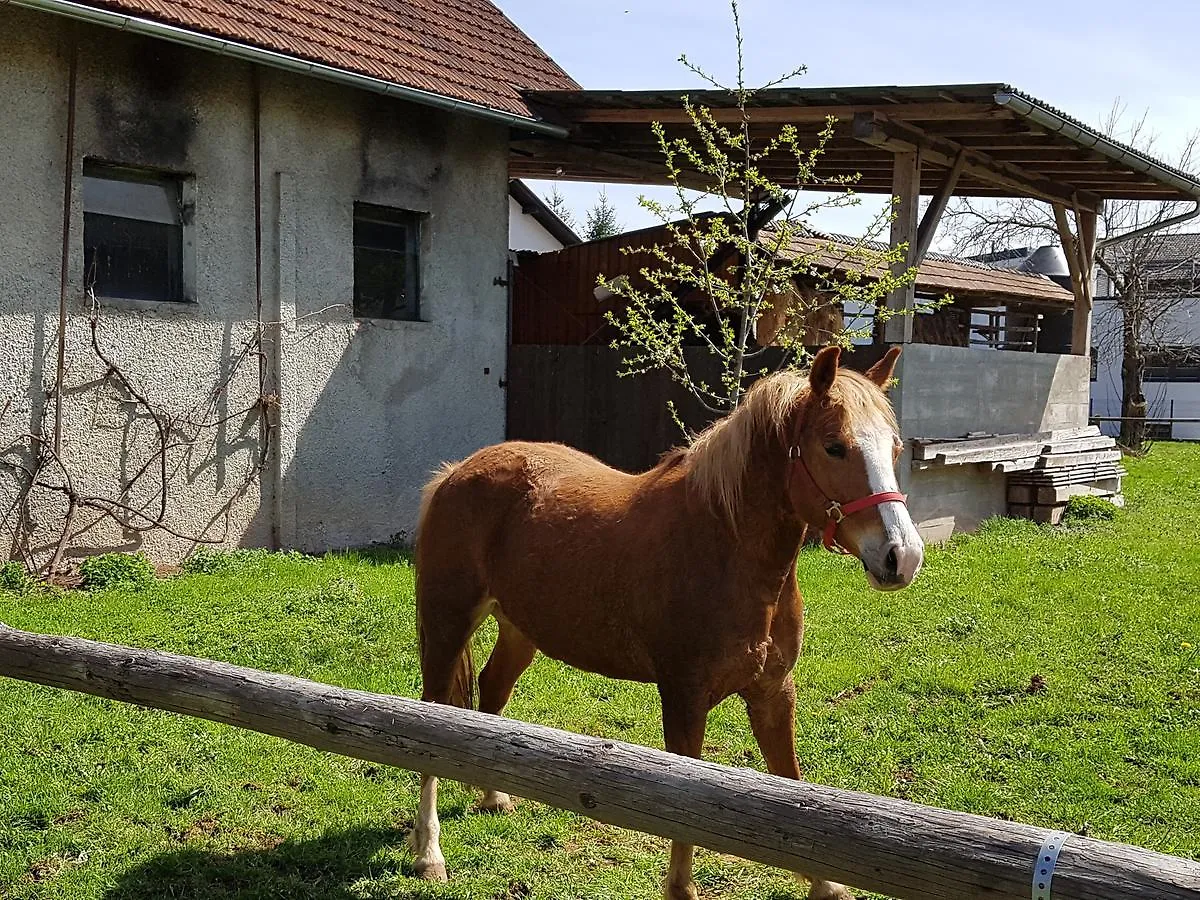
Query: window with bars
[387, 247]
[133, 233]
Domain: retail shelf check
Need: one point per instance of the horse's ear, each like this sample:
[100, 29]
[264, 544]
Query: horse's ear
[824, 370]
[881, 372]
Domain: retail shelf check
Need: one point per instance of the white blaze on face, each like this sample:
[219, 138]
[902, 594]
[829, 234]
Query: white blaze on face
[877, 443]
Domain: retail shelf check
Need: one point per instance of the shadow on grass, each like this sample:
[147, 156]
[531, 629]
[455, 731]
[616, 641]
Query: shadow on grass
[331, 867]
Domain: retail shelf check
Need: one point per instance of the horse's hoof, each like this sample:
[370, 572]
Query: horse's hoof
[829, 890]
[496, 802]
[431, 870]
[680, 891]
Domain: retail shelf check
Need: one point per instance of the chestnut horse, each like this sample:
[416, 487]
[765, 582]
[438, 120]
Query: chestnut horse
[684, 576]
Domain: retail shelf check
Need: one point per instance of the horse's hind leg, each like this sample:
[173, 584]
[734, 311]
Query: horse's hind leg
[772, 711]
[511, 656]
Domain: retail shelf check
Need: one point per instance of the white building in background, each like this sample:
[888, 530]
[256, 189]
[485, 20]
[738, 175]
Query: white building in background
[532, 225]
[1172, 380]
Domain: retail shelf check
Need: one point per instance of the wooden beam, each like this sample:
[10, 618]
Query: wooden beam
[933, 215]
[906, 191]
[880, 844]
[1081, 325]
[879, 131]
[579, 163]
[785, 115]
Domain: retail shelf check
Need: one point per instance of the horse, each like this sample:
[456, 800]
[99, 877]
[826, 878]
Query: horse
[683, 576]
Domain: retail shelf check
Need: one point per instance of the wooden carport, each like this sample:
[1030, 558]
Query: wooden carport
[982, 140]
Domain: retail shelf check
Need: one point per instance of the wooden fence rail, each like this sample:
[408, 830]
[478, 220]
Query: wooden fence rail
[892, 846]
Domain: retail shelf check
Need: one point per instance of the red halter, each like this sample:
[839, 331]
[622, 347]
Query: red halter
[836, 511]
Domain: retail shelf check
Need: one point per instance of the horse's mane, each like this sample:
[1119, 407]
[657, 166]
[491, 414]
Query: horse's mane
[720, 455]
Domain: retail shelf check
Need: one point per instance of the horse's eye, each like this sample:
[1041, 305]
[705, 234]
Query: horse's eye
[837, 451]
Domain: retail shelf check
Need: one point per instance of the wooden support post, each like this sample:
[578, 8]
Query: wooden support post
[1079, 251]
[1081, 331]
[879, 844]
[906, 191]
[933, 215]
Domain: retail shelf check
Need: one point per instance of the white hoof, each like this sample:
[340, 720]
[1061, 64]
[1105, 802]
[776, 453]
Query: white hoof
[496, 802]
[431, 870]
[829, 890]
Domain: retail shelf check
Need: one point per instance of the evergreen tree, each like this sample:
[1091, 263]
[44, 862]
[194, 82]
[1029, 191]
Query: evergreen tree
[602, 220]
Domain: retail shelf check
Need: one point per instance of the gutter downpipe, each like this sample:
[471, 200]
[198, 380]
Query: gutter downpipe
[1114, 151]
[271, 59]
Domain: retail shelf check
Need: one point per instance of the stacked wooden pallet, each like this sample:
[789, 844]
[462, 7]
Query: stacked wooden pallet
[1044, 470]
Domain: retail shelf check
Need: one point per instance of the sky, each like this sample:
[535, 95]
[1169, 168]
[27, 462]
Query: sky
[1078, 56]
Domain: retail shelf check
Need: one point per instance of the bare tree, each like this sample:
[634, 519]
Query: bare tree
[1146, 280]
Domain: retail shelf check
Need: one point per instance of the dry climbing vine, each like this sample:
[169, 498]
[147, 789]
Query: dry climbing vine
[141, 502]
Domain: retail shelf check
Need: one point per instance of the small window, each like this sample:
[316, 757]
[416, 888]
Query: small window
[387, 246]
[133, 233]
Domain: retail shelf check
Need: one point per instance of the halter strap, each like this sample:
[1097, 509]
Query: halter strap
[835, 511]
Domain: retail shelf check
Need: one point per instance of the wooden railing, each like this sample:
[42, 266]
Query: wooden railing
[892, 846]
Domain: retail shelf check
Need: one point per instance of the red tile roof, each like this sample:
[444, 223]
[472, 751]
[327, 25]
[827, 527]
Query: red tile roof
[465, 49]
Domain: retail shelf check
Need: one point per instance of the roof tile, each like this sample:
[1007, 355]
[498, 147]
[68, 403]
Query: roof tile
[464, 49]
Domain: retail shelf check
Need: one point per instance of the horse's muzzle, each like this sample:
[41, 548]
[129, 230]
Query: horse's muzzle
[895, 565]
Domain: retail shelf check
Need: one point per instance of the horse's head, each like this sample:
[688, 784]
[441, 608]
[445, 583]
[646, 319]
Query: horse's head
[842, 469]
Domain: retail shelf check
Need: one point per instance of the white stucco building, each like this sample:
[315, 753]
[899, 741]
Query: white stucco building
[282, 267]
[1171, 266]
[532, 225]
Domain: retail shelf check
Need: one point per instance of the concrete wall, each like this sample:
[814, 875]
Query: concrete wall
[950, 391]
[366, 408]
[946, 392]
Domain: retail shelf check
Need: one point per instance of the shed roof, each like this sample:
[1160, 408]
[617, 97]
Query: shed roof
[1012, 143]
[462, 49]
[939, 273]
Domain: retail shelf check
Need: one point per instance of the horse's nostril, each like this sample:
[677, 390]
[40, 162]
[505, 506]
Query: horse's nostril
[892, 563]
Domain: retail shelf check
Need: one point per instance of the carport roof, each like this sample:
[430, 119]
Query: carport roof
[1011, 143]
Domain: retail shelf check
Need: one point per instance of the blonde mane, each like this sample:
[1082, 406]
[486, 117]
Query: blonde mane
[720, 455]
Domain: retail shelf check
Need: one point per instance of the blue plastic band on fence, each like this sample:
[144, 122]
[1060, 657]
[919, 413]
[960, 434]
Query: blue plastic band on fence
[1047, 859]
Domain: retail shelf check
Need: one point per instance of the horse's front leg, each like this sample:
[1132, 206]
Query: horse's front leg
[772, 710]
[684, 716]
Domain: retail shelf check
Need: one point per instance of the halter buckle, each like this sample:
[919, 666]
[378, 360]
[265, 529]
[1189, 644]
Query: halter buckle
[835, 512]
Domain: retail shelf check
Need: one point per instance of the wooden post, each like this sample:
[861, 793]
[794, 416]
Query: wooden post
[1073, 249]
[906, 189]
[881, 844]
[1081, 329]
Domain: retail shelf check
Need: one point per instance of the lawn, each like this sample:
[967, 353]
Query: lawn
[1050, 676]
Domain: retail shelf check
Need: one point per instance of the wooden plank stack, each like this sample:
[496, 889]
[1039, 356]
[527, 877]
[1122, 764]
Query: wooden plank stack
[1044, 470]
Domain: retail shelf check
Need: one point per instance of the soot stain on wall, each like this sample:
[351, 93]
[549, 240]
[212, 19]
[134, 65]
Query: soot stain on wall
[149, 118]
[382, 171]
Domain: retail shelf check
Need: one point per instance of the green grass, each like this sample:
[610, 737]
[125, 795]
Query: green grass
[1049, 676]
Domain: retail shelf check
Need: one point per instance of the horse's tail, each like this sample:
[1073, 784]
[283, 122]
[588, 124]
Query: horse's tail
[462, 690]
[445, 470]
